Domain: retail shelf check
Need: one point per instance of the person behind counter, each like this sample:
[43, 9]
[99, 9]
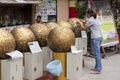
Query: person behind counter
[38, 20]
[96, 37]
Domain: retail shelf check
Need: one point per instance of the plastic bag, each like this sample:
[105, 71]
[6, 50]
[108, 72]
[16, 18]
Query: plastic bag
[54, 67]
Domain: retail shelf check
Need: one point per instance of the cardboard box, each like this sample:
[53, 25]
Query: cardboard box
[33, 65]
[47, 56]
[74, 66]
[11, 69]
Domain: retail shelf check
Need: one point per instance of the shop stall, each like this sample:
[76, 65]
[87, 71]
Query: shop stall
[17, 12]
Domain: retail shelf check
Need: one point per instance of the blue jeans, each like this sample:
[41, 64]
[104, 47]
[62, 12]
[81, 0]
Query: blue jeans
[96, 45]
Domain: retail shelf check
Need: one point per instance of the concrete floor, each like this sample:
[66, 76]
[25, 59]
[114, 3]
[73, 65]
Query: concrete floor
[111, 68]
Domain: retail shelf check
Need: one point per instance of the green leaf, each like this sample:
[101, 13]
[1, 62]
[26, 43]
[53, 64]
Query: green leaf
[81, 8]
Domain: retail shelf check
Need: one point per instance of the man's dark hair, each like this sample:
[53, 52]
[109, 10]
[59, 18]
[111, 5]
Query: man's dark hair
[39, 16]
[91, 12]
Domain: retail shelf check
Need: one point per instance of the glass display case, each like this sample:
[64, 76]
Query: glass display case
[17, 12]
[15, 15]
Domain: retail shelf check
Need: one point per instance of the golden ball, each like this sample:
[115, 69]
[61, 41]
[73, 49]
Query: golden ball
[41, 32]
[52, 25]
[65, 24]
[76, 27]
[60, 39]
[7, 41]
[23, 35]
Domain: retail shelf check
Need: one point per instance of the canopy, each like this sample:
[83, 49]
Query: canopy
[19, 2]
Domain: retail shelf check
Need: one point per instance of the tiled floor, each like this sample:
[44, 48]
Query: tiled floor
[111, 68]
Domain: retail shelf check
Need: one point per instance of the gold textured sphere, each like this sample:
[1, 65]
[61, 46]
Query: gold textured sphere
[41, 32]
[76, 27]
[52, 25]
[7, 41]
[65, 24]
[73, 21]
[60, 39]
[23, 35]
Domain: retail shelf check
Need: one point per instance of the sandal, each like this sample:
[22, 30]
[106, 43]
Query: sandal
[93, 71]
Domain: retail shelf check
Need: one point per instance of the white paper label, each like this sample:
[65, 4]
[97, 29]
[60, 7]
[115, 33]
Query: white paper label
[15, 54]
[34, 47]
[27, 25]
[83, 34]
[74, 50]
[11, 28]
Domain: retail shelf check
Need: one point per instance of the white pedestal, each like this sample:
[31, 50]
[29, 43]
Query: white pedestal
[74, 66]
[11, 69]
[81, 44]
[33, 67]
[47, 56]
